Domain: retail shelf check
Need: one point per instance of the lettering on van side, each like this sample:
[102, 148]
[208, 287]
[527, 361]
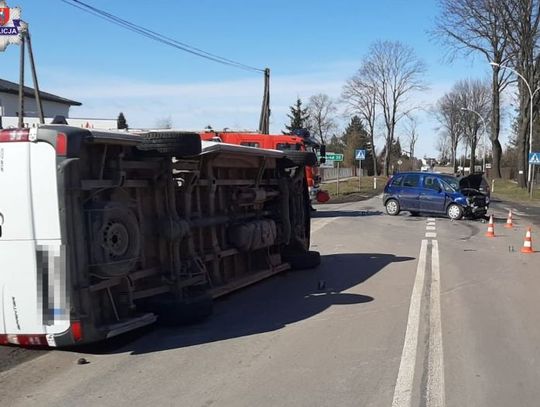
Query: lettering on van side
[16, 313]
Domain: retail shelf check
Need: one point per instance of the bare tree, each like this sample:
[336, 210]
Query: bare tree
[361, 100]
[396, 73]
[412, 134]
[475, 99]
[450, 116]
[443, 147]
[322, 116]
[477, 27]
[521, 20]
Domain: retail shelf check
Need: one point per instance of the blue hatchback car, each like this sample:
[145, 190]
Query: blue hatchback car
[418, 192]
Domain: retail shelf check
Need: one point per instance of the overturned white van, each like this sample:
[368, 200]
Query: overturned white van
[104, 232]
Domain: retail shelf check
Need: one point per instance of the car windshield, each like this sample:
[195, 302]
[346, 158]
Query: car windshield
[451, 182]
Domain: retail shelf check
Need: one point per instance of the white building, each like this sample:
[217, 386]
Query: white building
[53, 105]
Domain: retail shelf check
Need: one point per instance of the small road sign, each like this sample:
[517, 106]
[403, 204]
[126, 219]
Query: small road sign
[327, 164]
[534, 158]
[334, 157]
[399, 162]
[360, 155]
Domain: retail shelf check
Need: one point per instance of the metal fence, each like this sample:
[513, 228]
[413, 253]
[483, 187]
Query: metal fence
[329, 174]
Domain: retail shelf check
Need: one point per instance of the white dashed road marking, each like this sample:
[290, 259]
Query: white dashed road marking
[405, 379]
[435, 390]
[435, 393]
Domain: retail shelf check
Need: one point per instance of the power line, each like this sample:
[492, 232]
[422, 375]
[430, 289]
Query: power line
[157, 36]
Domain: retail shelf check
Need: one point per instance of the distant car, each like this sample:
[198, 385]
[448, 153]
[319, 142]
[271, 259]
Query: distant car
[418, 192]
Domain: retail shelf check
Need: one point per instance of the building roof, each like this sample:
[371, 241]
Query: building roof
[13, 88]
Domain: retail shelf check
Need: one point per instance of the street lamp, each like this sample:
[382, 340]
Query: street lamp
[464, 109]
[531, 94]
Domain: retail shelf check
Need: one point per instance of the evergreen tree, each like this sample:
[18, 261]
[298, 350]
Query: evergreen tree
[121, 122]
[336, 145]
[298, 117]
[396, 153]
[355, 138]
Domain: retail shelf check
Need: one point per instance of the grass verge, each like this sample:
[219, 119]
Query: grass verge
[352, 190]
[508, 190]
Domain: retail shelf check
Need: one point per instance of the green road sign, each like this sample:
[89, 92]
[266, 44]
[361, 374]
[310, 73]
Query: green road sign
[334, 157]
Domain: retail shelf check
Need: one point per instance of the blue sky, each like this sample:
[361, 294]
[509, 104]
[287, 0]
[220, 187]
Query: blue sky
[310, 47]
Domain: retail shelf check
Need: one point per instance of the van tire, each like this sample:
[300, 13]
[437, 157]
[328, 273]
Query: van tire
[172, 311]
[178, 144]
[301, 158]
[117, 242]
[303, 260]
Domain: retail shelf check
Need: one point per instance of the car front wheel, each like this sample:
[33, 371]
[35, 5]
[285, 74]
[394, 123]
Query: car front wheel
[454, 211]
[392, 207]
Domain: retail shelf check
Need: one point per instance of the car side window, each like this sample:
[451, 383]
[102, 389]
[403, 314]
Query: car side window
[411, 180]
[431, 182]
[396, 182]
[447, 187]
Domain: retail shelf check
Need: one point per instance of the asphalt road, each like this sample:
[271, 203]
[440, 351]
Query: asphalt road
[403, 311]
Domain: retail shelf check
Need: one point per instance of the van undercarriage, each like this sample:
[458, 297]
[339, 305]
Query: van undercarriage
[150, 232]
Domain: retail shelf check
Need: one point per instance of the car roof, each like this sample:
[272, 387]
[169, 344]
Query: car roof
[423, 173]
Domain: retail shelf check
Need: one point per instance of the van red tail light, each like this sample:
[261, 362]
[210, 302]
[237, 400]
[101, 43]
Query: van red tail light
[14, 135]
[61, 144]
[76, 331]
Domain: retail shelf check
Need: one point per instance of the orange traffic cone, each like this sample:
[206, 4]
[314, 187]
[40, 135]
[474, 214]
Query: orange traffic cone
[509, 223]
[491, 228]
[527, 244]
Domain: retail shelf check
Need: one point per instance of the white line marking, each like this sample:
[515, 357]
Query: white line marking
[435, 394]
[431, 219]
[405, 378]
[431, 228]
[431, 223]
[431, 234]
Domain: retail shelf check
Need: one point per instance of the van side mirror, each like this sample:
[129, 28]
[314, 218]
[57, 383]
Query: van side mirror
[323, 150]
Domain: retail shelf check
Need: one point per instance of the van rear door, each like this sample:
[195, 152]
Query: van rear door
[33, 286]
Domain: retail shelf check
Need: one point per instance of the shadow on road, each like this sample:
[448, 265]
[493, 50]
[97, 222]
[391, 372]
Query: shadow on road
[342, 214]
[268, 306]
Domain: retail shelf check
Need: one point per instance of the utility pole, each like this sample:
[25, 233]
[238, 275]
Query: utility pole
[264, 121]
[21, 85]
[34, 78]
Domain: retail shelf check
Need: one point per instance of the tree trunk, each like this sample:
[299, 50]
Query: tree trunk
[496, 148]
[473, 158]
[454, 160]
[522, 144]
[386, 170]
[374, 155]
